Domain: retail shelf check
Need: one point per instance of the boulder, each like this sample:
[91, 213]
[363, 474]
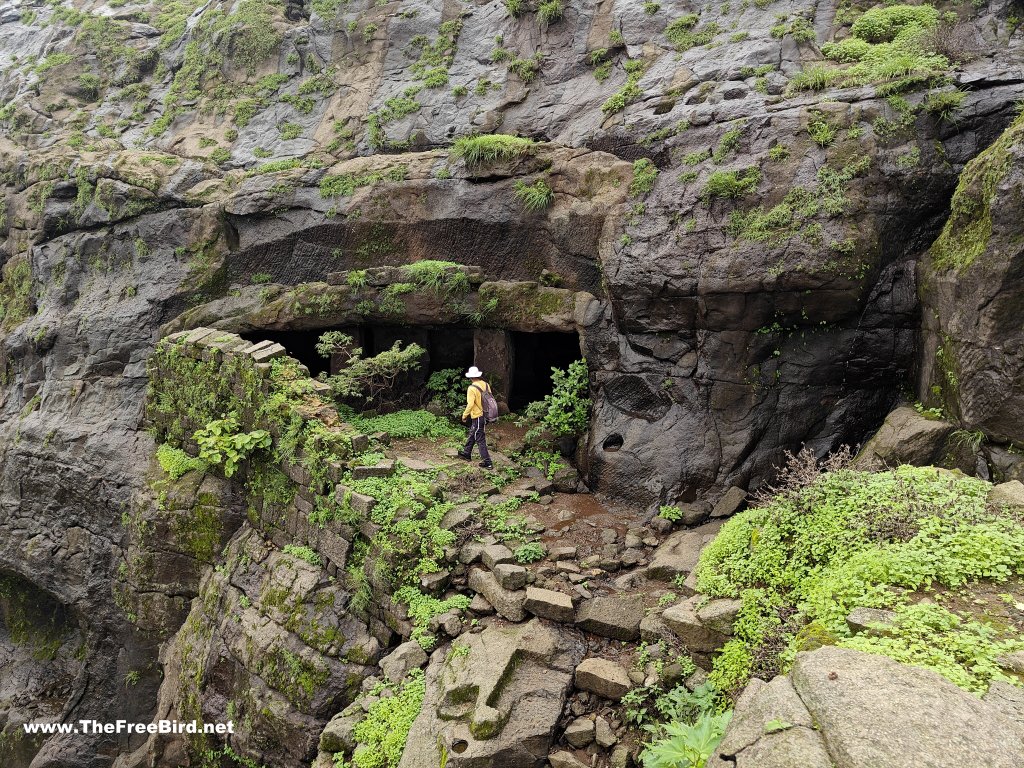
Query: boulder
[510, 576]
[874, 712]
[563, 759]
[679, 553]
[549, 604]
[1009, 494]
[499, 703]
[732, 501]
[406, 657]
[603, 677]
[496, 554]
[719, 615]
[337, 734]
[682, 619]
[603, 733]
[579, 733]
[506, 602]
[616, 617]
[905, 437]
[870, 621]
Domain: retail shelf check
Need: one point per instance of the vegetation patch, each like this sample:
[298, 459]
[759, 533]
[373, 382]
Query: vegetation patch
[893, 44]
[382, 734]
[832, 541]
[969, 226]
[491, 148]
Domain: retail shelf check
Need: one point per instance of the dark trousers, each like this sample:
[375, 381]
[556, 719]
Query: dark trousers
[477, 437]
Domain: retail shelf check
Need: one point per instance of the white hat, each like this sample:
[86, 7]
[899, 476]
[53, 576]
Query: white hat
[474, 372]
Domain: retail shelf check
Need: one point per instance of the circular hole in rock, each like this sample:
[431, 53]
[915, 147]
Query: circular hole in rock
[612, 442]
[459, 746]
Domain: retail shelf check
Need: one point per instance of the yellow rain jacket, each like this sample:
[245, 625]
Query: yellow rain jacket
[474, 403]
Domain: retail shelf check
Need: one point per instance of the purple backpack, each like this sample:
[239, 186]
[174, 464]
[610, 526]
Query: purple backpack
[490, 405]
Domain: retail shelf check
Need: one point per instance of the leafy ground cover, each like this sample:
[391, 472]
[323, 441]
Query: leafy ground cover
[916, 540]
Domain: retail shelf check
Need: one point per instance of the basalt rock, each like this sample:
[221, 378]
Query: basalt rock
[498, 704]
[163, 171]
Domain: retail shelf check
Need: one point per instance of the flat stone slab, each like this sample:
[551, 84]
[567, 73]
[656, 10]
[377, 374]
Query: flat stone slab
[603, 677]
[616, 617]
[549, 604]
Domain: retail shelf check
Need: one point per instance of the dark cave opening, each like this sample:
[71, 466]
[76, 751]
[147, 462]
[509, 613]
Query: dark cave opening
[534, 356]
[517, 363]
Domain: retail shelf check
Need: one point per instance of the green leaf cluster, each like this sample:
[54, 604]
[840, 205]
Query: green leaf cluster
[221, 441]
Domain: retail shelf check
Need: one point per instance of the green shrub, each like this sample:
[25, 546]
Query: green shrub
[883, 23]
[672, 513]
[529, 553]
[566, 411]
[821, 132]
[550, 11]
[303, 553]
[687, 745]
[448, 388]
[850, 539]
[731, 184]
[944, 104]
[645, 173]
[534, 197]
[439, 276]
[220, 441]
[491, 147]
[370, 379]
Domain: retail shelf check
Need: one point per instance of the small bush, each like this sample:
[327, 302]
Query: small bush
[731, 184]
[448, 388]
[566, 411]
[221, 442]
[645, 173]
[529, 553]
[671, 513]
[945, 104]
[534, 197]
[821, 132]
[883, 23]
[550, 11]
[492, 147]
[303, 553]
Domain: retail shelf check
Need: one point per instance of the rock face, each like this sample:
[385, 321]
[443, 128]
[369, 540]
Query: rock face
[848, 709]
[173, 165]
[973, 281]
[498, 704]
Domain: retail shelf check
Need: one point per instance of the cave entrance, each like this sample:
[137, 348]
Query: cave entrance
[535, 354]
[518, 364]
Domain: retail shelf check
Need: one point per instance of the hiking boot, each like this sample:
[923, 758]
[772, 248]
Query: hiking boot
[463, 456]
[486, 464]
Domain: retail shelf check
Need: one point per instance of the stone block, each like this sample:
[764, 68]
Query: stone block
[549, 604]
[606, 678]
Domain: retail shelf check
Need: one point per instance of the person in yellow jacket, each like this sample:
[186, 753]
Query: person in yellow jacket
[475, 413]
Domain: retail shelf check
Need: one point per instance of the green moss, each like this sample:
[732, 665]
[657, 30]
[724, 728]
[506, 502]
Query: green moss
[15, 292]
[967, 231]
[175, 462]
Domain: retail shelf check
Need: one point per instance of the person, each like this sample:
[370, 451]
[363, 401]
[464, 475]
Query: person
[475, 413]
